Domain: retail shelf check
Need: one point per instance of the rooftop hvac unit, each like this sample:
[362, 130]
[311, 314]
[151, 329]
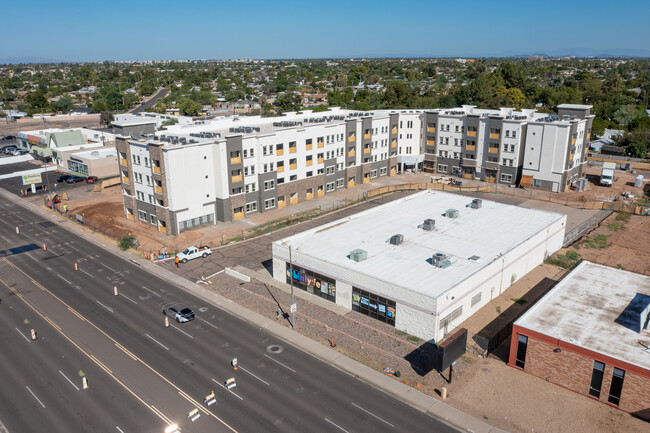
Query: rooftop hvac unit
[439, 260]
[476, 203]
[396, 239]
[358, 255]
[429, 224]
[452, 213]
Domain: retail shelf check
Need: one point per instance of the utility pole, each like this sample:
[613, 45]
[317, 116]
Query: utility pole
[293, 314]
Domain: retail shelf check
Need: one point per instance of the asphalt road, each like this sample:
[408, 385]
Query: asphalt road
[131, 359]
[151, 102]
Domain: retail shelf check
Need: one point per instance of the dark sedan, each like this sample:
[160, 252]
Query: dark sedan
[75, 179]
[63, 178]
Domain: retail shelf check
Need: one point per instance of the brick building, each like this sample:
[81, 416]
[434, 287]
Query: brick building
[590, 334]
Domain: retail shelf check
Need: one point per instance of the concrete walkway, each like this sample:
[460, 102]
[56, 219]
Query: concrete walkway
[416, 399]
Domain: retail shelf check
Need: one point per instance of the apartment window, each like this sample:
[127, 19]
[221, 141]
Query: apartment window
[508, 162]
[339, 166]
[383, 171]
[142, 215]
[457, 128]
[329, 187]
[249, 153]
[150, 198]
[269, 204]
[507, 133]
[514, 134]
[251, 187]
[441, 141]
[309, 174]
[146, 161]
[250, 170]
[455, 142]
[455, 169]
[339, 183]
[506, 178]
[522, 345]
[280, 180]
[293, 177]
[160, 202]
[251, 207]
[596, 379]
[446, 140]
[373, 174]
[153, 220]
[237, 190]
[279, 146]
[148, 180]
[269, 184]
[476, 299]
[616, 387]
[320, 171]
[442, 168]
[330, 170]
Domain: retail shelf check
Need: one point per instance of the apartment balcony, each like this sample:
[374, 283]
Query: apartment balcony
[281, 203]
[494, 136]
[129, 216]
[158, 189]
[429, 156]
[293, 200]
[471, 147]
[320, 160]
[352, 139]
[293, 166]
[588, 135]
[280, 169]
[310, 195]
[123, 162]
[310, 163]
[573, 141]
[162, 229]
[393, 131]
[237, 178]
[125, 179]
[471, 133]
[394, 144]
[493, 150]
[320, 193]
[469, 163]
[309, 146]
[238, 215]
[570, 157]
[156, 169]
[430, 129]
[367, 136]
[366, 179]
[279, 152]
[352, 154]
[491, 165]
[366, 150]
[321, 144]
[350, 184]
[392, 172]
[431, 142]
[235, 160]
[293, 149]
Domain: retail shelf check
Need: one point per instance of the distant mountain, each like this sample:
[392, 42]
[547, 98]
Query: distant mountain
[23, 60]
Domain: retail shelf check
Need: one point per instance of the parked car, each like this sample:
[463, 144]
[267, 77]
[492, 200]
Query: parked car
[180, 313]
[194, 253]
[10, 149]
[20, 152]
[8, 146]
[91, 179]
[7, 137]
[63, 178]
[75, 179]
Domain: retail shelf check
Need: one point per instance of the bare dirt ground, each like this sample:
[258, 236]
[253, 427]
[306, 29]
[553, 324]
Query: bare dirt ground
[29, 124]
[623, 182]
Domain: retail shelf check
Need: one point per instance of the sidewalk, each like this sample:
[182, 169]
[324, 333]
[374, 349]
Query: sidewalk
[418, 400]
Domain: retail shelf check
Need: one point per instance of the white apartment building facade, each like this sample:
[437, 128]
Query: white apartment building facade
[195, 174]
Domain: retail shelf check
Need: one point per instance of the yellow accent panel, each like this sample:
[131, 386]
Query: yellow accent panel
[471, 133]
[281, 203]
[238, 216]
[237, 178]
[352, 153]
[495, 136]
[280, 169]
[309, 146]
[293, 166]
[493, 149]
[293, 200]
[366, 150]
[320, 193]
[321, 160]
[470, 147]
[158, 189]
[310, 195]
[123, 161]
[235, 160]
[309, 163]
[156, 169]
[429, 129]
[351, 139]
[279, 152]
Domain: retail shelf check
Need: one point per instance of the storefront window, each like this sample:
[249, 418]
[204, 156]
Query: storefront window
[312, 282]
[373, 305]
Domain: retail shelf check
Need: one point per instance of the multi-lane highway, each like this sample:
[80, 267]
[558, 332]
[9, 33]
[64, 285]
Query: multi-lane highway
[143, 376]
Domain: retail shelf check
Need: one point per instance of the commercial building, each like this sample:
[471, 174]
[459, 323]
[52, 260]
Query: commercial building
[406, 264]
[99, 161]
[236, 166]
[591, 334]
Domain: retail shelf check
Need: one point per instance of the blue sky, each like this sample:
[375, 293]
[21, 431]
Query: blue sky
[196, 29]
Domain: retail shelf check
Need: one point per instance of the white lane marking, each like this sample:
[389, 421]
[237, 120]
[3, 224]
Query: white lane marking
[32, 257]
[288, 368]
[337, 426]
[19, 217]
[224, 387]
[176, 327]
[122, 294]
[216, 273]
[151, 291]
[64, 279]
[35, 396]
[71, 382]
[24, 336]
[119, 429]
[109, 268]
[108, 308]
[4, 238]
[87, 273]
[149, 336]
[203, 320]
[70, 245]
[263, 381]
[370, 413]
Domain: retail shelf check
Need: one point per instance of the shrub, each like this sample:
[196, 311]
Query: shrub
[126, 242]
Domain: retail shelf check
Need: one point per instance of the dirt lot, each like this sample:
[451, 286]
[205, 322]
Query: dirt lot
[623, 182]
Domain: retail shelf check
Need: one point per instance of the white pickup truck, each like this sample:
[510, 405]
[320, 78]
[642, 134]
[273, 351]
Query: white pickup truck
[193, 253]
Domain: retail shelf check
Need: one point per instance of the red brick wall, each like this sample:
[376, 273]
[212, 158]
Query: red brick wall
[572, 367]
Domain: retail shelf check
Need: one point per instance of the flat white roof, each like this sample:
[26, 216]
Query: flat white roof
[133, 122]
[597, 308]
[488, 232]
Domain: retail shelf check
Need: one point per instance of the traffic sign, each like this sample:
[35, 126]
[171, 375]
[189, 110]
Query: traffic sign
[294, 308]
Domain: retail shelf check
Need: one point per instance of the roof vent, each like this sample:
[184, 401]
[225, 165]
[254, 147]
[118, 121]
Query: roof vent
[452, 213]
[429, 224]
[439, 260]
[476, 203]
[396, 239]
[358, 255]
[475, 259]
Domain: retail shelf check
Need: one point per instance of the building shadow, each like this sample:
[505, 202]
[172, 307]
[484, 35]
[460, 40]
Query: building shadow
[635, 316]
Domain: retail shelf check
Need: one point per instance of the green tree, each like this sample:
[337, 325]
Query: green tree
[288, 102]
[64, 104]
[511, 97]
[105, 118]
[36, 99]
[628, 113]
[189, 107]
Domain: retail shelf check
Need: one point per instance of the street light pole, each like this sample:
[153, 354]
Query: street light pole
[293, 314]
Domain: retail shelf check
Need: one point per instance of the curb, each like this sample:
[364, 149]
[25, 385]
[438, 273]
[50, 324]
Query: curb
[408, 395]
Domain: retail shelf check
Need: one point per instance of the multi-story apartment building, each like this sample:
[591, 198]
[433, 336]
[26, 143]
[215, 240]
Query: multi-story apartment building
[221, 170]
